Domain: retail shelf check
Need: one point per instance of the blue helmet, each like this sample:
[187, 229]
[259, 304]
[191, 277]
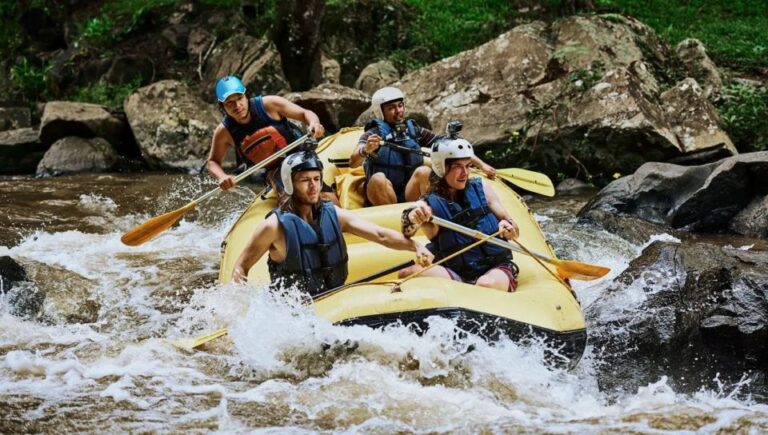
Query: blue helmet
[227, 86]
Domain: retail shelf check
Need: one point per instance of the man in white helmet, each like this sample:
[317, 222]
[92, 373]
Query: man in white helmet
[394, 174]
[256, 128]
[303, 235]
[470, 202]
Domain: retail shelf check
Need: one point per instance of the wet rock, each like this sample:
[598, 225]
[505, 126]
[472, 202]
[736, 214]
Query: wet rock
[255, 61]
[11, 273]
[701, 198]
[64, 118]
[56, 295]
[376, 75]
[171, 124]
[694, 56]
[13, 118]
[336, 105]
[20, 151]
[572, 186]
[752, 220]
[71, 155]
[689, 310]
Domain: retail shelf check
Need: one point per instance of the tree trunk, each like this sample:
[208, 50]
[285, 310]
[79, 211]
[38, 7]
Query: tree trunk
[297, 37]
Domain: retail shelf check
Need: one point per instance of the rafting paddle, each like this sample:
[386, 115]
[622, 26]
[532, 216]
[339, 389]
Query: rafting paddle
[566, 268]
[156, 225]
[531, 181]
[192, 343]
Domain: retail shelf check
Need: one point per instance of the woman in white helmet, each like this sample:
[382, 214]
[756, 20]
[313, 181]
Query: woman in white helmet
[470, 202]
[303, 236]
[395, 175]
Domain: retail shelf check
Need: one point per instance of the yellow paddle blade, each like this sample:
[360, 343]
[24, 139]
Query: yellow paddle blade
[192, 343]
[531, 181]
[578, 270]
[154, 226]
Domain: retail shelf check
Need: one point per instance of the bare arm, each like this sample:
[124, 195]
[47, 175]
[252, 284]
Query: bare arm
[420, 216]
[369, 142]
[263, 239]
[278, 107]
[219, 144]
[489, 170]
[358, 226]
[506, 224]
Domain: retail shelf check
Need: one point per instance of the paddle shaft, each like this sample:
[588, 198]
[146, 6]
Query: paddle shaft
[365, 279]
[255, 168]
[477, 234]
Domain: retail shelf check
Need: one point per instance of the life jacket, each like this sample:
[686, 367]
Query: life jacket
[261, 137]
[397, 166]
[471, 211]
[315, 259]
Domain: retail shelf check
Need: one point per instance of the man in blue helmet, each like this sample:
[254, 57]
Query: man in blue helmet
[303, 235]
[256, 127]
[395, 175]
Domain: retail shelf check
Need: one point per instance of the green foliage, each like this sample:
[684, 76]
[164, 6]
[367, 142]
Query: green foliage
[733, 31]
[450, 26]
[100, 30]
[744, 110]
[105, 94]
[30, 79]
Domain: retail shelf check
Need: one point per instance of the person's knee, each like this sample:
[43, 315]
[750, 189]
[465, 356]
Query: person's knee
[491, 282]
[379, 181]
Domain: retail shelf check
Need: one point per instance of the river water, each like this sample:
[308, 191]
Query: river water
[282, 369]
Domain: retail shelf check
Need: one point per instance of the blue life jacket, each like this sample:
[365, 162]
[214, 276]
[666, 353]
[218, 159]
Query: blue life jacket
[397, 166]
[259, 120]
[471, 211]
[315, 259]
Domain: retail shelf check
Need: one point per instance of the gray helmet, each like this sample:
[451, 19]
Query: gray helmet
[384, 96]
[449, 148]
[298, 162]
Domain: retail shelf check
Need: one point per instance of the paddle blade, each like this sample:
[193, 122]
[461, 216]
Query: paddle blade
[195, 342]
[578, 270]
[149, 229]
[531, 181]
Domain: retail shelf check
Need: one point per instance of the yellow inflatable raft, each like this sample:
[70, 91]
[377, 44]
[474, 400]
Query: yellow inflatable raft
[542, 306]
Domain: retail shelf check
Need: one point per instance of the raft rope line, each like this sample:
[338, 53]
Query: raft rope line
[398, 283]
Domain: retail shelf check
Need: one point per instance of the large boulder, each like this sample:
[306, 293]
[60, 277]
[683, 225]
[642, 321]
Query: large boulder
[20, 151]
[694, 56]
[53, 294]
[693, 118]
[376, 76]
[64, 118]
[752, 220]
[73, 154]
[337, 106]
[587, 94]
[172, 126]
[687, 311]
[255, 61]
[703, 198]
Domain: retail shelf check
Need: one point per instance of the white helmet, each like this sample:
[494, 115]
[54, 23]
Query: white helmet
[297, 162]
[448, 148]
[384, 96]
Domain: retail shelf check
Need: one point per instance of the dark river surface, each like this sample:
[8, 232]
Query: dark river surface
[282, 369]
